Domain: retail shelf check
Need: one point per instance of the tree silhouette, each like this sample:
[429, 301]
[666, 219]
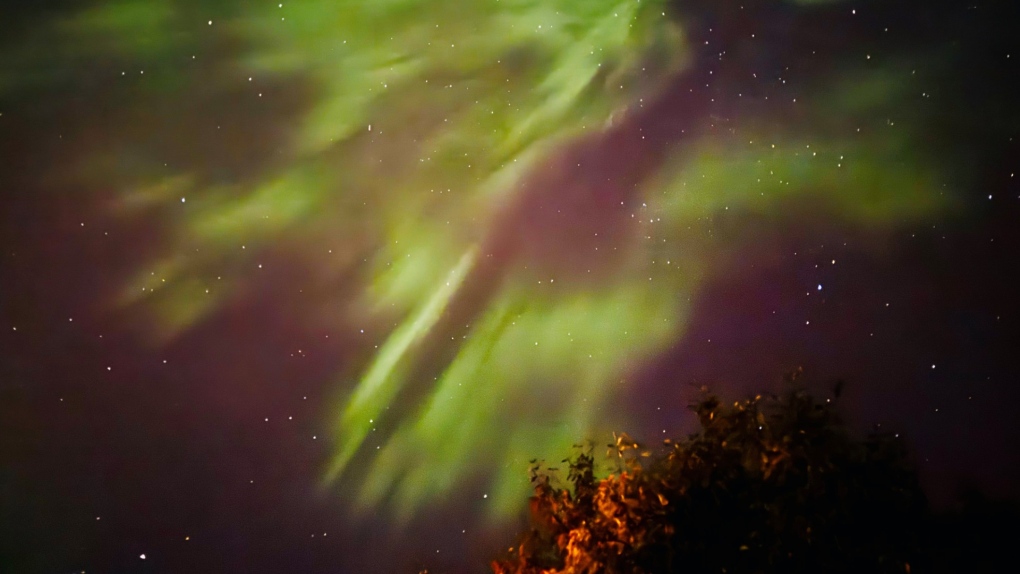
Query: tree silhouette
[770, 484]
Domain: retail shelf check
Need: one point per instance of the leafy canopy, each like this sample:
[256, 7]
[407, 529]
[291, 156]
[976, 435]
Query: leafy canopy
[770, 484]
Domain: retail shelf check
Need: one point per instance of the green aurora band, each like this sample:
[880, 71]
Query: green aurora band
[410, 123]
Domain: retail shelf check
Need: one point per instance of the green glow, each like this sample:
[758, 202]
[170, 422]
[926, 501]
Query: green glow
[414, 123]
[565, 349]
[130, 29]
[382, 382]
[275, 206]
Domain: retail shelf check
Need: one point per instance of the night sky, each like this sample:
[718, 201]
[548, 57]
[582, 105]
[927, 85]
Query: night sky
[304, 286]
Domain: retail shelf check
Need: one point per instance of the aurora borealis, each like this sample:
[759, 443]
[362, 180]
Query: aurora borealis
[273, 271]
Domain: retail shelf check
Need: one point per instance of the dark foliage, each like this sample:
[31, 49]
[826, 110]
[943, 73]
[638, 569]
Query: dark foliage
[771, 484]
